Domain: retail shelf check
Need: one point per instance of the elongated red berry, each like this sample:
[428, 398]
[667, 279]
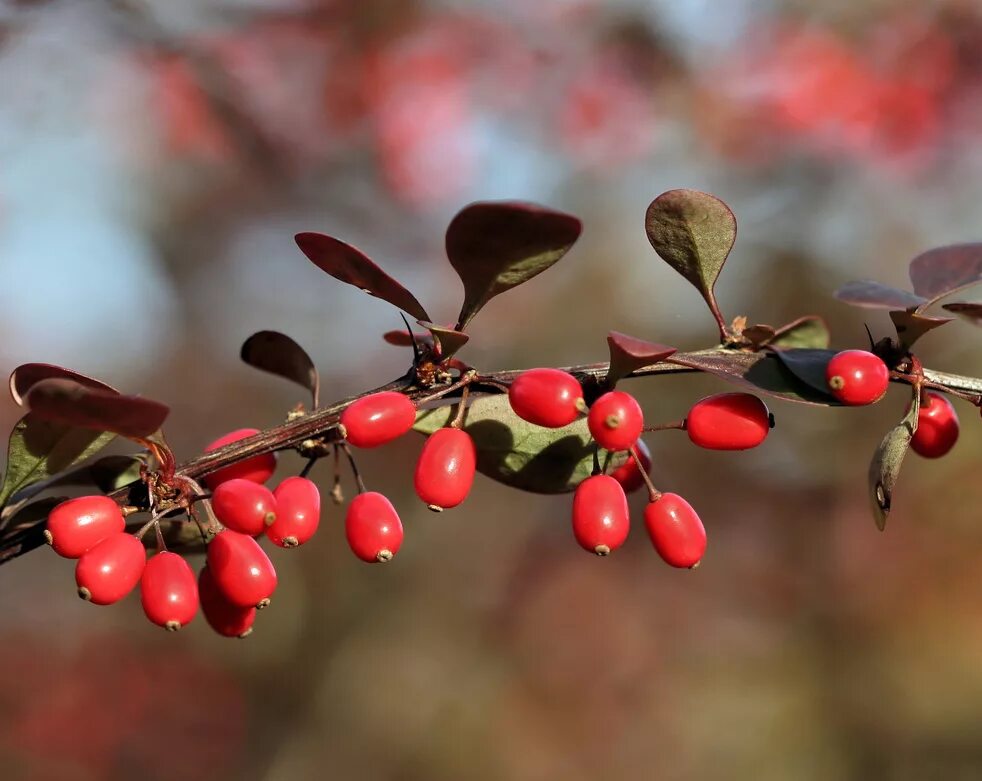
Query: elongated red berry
[374, 420]
[937, 427]
[616, 420]
[244, 506]
[601, 519]
[546, 397]
[728, 421]
[226, 618]
[109, 571]
[79, 524]
[169, 591]
[241, 569]
[373, 528]
[675, 530]
[298, 512]
[857, 377]
[628, 475]
[257, 469]
[445, 469]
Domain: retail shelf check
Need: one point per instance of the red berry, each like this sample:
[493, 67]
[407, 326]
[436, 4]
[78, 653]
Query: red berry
[79, 524]
[169, 591]
[628, 474]
[374, 420]
[601, 519]
[937, 427]
[616, 420]
[728, 421]
[857, 377]
[257, 469]
[298, 512]
[445, 470]
[226, 618]
[675, 530]
[373, 528]
[546, 397]
[242, 570]
[244, 506]
[109, 571]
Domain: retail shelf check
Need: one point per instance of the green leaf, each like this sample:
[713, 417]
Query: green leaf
[693, 232]
[755, 371]
[810, 331]
[911, 326]
[39, 449]
[276, 353]
[887, 460]
[809, 365]
[497, 245]
[66, 401]
[521, 454]
[628, 353]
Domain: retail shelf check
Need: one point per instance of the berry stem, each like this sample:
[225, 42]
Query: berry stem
[677, 425]
[653, 493]
[354, 467]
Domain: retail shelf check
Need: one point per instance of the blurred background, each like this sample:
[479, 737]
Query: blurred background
[156, 159]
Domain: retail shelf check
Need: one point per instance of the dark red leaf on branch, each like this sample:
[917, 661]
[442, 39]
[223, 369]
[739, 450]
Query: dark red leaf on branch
[68, 402]
[278, 354]
[497, 245]
[873, 295]
[944, 270]
[970, 311]
[449, 340]
[350, 265]
[27, 375]
[628, 353]
[809, 365]
[405, 339]
[911, 326]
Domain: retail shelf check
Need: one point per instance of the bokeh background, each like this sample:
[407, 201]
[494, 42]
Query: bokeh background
[156, 158]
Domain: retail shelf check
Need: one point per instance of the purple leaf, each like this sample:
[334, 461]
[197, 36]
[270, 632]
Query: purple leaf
[497, 245]
[944, 270]
[970, 311]
[350, 265]
[873, 295]
[68, 402]
[278, 354]
[628, 353]
[27, 375]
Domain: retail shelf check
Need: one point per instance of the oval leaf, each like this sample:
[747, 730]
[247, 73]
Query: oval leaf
[65, 401]
[25, 376]
[873, 295]
[39, 449]
[911, 326]
[944, 270]
[448, 340]
[809, 367]
[887, 460]
[628, 353]
[809, 332]
[755, 372]
[31, 514]
[969, 311]
[278, 354]
[693, 232]
[497, 245]
[521, 454]
[350, 265]
[405, 339]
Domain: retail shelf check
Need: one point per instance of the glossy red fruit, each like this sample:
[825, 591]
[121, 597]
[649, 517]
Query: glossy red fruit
[616, 420]
[241, 569]
[374, 420]
[857, 377]
[373, 528]
[244, 506]
[546, 397]
[226, 618]
[257, 469]
[445, 469]
[728, 421]
[298, 512]
[675, 530]
[937, 427]
[169, 591]
[628, 474]
[601, 519]
[79, 524]
[109, 571]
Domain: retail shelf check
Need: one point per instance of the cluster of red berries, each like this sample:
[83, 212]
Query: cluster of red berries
[727, 421]
[858, 377]
[238, 578]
